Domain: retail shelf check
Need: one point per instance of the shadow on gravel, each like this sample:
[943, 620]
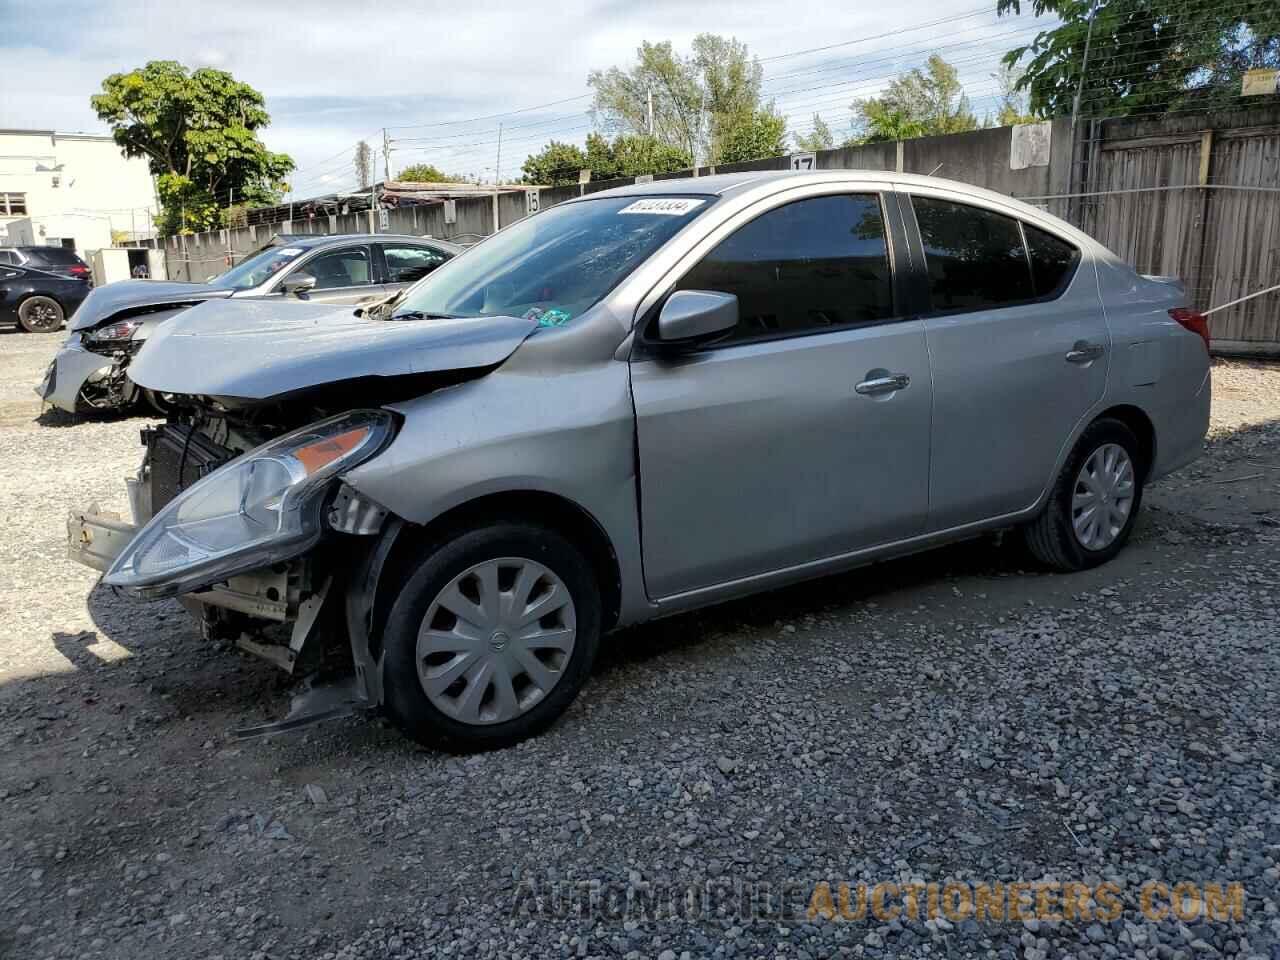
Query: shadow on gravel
[883, 583]
[55, 418]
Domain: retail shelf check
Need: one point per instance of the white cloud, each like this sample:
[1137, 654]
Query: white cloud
[334, 72]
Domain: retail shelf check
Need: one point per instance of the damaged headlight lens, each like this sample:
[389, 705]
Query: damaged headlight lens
[115, 332]
[258, 509]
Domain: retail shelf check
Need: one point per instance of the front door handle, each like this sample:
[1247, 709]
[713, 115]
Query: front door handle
[885, 384]
[1083, 351]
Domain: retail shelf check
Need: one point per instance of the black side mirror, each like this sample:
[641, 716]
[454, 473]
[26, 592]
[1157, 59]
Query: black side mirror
[298, 284]
[691, 317]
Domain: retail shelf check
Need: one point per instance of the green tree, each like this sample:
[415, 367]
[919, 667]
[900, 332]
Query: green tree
[426, 173]
[920, 103]
[762, 135]
[634, 156]
[1013, 108]
[698, 101]
[198, 132]
[627, 155]
[554, 164]
[1144, 55]
[818, 138]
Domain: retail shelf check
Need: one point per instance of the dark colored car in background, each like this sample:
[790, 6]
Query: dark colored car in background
[56, 260]
[36, 300]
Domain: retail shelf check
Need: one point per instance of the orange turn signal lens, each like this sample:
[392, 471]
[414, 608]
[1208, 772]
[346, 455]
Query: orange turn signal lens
[315, 456]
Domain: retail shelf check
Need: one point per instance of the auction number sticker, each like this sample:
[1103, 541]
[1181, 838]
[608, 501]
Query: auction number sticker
[667, 206]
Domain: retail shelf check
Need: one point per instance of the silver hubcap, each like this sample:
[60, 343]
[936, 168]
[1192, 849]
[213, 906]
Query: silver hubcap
[496, 640]
[1103, 497]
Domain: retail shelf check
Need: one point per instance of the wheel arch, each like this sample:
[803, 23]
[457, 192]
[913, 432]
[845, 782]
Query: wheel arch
[1136, 419]
[570, 519]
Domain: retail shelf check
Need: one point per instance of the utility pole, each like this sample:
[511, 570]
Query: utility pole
[373, 205]
[650, 109]
[386, 155]
[1079, 152]
[497, 166]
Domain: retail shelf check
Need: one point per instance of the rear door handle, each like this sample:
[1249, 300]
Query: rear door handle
[1083, 351]
[886, 384]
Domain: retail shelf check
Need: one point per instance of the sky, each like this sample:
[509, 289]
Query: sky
[441, 77]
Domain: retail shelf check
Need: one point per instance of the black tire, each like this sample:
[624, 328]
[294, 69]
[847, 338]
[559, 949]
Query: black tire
[39, 314]
[407, 703]
[1051, 537]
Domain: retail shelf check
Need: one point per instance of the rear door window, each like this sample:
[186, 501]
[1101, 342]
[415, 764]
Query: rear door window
[805, 267]
[409, 262]
[975, 258]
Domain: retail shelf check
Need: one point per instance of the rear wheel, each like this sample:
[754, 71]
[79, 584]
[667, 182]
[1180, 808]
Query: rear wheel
[491, 638]
[40, 314]
[1094, 502]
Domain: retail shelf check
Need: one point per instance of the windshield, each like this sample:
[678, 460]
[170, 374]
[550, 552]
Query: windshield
[257, 268]
[553, 266]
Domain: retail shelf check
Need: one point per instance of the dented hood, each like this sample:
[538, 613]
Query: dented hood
[254, 349]
[125, 296]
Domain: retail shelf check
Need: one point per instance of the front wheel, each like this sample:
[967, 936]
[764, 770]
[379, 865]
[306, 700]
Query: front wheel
[1094, 502]
[491, 638]
[40, 314]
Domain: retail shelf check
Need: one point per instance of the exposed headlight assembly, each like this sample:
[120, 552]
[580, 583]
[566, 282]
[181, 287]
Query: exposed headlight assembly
[259, 509]
[115, 332]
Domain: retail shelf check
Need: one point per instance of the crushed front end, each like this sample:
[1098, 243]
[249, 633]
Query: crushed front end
[261, 552]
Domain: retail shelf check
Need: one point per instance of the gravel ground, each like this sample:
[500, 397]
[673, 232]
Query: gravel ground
[953, 716]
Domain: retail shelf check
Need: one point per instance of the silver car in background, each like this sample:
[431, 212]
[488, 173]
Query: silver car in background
[89, 373]
[641, 402]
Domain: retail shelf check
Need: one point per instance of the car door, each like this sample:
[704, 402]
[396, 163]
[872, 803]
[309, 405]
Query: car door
[1019, 348]
[405, 263]
[343, 275]
[804, 433]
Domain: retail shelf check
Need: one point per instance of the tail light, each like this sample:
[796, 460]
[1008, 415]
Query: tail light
[1196, 322]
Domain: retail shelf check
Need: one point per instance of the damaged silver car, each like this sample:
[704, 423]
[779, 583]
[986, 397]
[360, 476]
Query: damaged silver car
[640, 402]
[90, 373]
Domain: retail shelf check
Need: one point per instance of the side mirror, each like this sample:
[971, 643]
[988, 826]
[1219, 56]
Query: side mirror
[298, 284]
[692, 316]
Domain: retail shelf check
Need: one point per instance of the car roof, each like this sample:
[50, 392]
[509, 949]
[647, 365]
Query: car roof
[727, 184]
[310, 241]
[767, 182]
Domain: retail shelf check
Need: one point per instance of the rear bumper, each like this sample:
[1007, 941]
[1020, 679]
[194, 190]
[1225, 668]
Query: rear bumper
[1181, 439]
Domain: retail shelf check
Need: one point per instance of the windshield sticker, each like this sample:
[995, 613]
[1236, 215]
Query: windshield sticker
[289, 251]
[666, 206]
[551, 317]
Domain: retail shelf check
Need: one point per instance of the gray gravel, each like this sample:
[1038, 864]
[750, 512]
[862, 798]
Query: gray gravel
[956, 715]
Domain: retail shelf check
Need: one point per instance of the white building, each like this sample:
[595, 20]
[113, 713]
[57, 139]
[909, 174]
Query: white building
[71, 190]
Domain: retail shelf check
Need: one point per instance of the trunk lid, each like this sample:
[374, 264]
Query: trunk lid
[254, 349]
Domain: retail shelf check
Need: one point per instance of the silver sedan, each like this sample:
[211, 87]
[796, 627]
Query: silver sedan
[90, 371]
[640, 402]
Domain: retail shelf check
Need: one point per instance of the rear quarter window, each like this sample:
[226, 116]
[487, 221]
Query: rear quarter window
[54, 255]
[1053, 261]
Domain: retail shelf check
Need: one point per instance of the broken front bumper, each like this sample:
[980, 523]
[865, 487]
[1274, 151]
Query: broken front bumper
[71, 367]
[95, 538]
